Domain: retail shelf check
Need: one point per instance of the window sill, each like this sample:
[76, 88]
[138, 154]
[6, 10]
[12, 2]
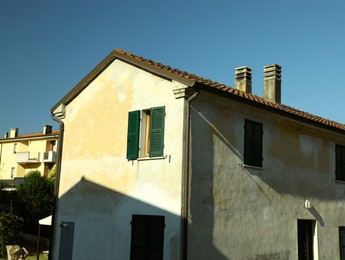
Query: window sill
[151, 158]
[251, 166]
[340, 181]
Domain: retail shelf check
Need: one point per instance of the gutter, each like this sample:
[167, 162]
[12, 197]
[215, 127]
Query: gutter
[57, 181]
[186, 178]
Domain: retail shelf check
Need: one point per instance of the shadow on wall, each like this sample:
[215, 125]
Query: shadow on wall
[201, 229]
[95, 222]
[224, 194]
[287, 172]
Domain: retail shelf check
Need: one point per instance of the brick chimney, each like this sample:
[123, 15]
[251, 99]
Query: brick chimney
[272, 83]
[13, 132]
[243, 79]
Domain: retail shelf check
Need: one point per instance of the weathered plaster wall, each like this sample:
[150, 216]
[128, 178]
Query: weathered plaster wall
[247, 213]
[100, 189]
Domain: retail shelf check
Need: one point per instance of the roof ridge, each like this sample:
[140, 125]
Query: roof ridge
[239, 93]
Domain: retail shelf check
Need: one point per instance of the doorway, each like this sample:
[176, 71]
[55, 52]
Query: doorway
[307, 239]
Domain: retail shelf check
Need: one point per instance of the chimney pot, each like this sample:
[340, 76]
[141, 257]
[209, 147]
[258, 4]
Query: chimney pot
[243, 79]
[47, 129]
[13, 132]
[272, 83]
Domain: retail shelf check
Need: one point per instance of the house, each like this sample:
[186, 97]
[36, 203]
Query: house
[20, 154]
[157, 163]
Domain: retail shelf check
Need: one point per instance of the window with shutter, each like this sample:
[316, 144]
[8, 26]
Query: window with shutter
[253, 143]
[146, 134]
[147, 241]
[340, 162]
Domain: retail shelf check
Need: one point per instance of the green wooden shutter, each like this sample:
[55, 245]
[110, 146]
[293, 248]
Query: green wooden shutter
[133, 135]
[157, 131]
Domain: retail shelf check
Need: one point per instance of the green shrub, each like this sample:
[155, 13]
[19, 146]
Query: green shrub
[9, 226]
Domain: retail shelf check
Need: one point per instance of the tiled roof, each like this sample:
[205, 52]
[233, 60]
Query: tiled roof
[236, 92]
[32, 135]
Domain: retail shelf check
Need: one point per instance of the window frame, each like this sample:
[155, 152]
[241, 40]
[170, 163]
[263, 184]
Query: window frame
[253, 143]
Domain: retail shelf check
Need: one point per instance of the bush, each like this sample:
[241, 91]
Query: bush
[9, 226]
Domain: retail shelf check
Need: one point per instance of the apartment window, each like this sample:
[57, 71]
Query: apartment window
[145, 136]
[15, 148]
[342, 242]
[147, 240]
[340, 162]
[253, 143]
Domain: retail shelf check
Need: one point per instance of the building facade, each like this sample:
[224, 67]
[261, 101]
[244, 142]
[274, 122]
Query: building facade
[157, 163]
[20, 154]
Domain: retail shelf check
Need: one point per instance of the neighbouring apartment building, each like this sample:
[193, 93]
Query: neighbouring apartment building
[157, 163]
[21, 153]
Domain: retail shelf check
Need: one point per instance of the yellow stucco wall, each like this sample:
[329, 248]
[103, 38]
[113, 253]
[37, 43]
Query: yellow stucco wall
[8, 157]
[94, 159]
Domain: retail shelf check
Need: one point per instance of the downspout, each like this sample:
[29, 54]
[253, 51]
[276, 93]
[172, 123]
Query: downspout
[186, 178]
[57, 180]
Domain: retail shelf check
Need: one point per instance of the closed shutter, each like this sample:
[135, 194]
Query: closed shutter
[133, 135]
[340, 162]
[342, 242]
[253, 143]
[157, 131]
[147, 237]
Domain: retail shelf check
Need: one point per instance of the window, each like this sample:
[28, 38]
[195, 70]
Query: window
[340, 162]
[15, 148]
[145, 136]
[147, 241]
[253, 143]
[12, 172]
[342, 242]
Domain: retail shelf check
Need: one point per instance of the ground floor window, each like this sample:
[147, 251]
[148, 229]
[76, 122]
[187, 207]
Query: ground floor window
[147, 240]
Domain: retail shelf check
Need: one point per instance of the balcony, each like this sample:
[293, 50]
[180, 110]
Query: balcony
[44, 157]
[48, 156]
[27, 157]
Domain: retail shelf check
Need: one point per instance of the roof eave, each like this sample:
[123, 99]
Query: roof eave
[271, 109]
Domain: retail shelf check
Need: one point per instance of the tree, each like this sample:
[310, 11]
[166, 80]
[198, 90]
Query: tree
[37, 196]
[52, 174]
[9, 226]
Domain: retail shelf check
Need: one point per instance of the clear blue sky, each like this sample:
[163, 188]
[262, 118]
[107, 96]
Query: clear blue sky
[47, 47]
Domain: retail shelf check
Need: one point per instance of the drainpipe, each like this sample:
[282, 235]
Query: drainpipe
[57, 181]
[186, 178]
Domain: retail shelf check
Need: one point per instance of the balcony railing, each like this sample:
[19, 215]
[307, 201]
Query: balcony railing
[27, 157]
[48, 156]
